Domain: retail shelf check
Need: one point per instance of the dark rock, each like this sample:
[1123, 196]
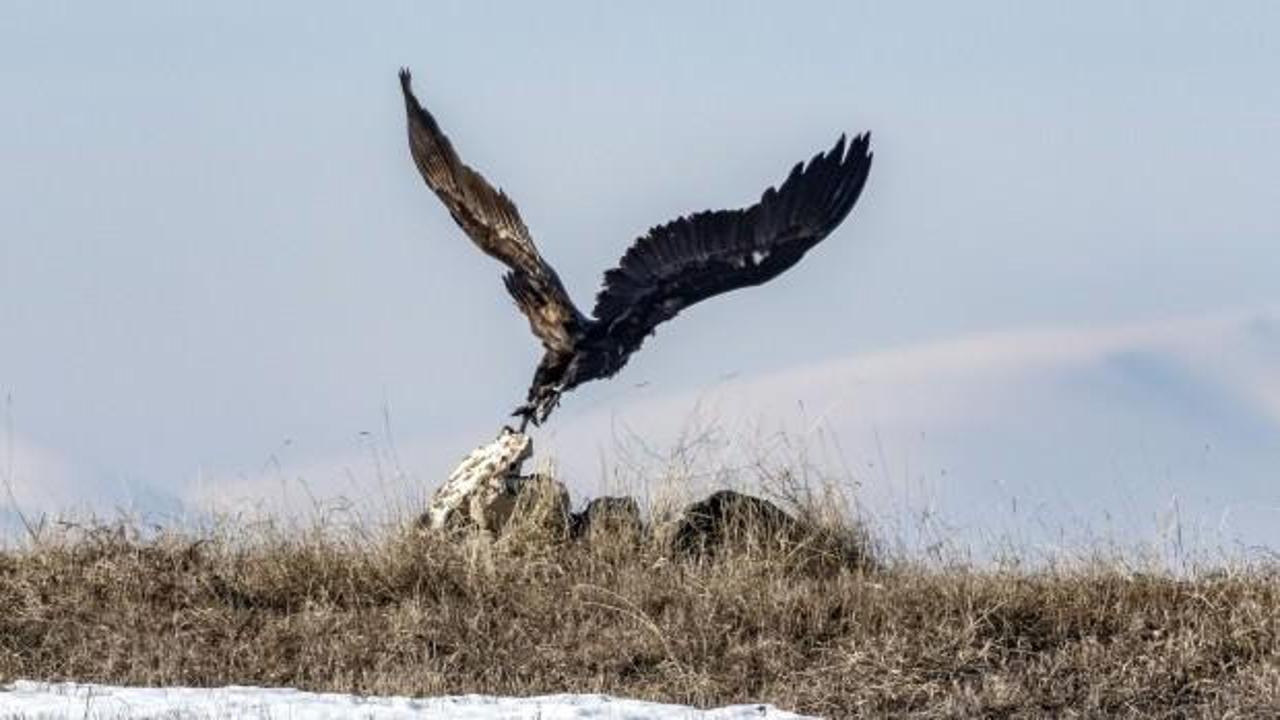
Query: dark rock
[616, 515]
[731, 517]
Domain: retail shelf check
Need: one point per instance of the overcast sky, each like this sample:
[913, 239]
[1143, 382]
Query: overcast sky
[221, 274]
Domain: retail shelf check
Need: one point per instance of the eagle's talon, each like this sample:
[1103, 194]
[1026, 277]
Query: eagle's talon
[527, 414]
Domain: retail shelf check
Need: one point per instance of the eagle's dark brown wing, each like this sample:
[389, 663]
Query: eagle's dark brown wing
[708, 253]
[491, 220]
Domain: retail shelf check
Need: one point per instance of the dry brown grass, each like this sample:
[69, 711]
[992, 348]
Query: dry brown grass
[795, 625]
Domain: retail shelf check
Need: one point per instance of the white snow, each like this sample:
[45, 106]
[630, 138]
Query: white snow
[27, 699]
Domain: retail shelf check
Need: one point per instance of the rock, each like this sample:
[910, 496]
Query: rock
[541, 512]
[615, 515]
[482, 491]
[730, 517]
[487, 492]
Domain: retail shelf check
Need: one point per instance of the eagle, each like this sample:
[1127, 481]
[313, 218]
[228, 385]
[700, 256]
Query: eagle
[670, 268]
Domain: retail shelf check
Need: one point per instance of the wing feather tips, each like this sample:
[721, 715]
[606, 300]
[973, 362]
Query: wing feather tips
[855, 168]
[416, 111]
[431, 150]
[816, 190]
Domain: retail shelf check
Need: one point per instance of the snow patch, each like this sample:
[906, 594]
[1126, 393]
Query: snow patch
[74, 700]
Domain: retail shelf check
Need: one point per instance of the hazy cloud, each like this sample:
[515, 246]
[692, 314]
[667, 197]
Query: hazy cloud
[1061, 425]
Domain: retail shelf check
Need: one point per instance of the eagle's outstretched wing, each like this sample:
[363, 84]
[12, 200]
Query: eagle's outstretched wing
[491, 220]
[708, 253]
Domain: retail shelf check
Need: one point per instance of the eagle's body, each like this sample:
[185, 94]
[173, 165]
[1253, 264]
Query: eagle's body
[673, 266]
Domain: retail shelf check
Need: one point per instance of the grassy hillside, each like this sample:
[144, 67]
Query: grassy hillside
[805, 626]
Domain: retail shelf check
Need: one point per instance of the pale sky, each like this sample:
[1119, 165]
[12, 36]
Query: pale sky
[220, 272]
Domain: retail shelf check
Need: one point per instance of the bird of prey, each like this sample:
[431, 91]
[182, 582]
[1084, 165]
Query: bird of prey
[670, 268]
